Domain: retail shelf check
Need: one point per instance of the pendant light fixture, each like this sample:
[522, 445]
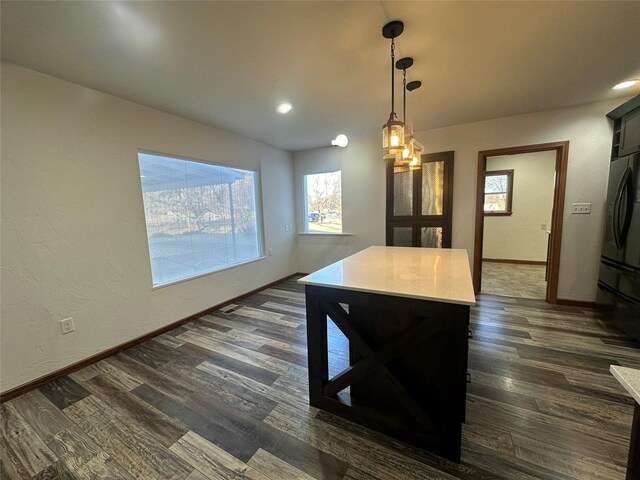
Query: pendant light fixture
[404, 159]
[412, 152]
[393, 141]
[415, 147]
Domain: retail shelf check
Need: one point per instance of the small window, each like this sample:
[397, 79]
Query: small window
[323, 202]
[498, 192]
[200, 217]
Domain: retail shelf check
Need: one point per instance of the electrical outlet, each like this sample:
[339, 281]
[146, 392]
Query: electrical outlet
[581, 208]
[543, 226]
[66, 325]
[270, 252]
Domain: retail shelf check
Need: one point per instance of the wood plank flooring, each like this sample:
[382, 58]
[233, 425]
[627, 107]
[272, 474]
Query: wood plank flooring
[225, 397]
[514, 280]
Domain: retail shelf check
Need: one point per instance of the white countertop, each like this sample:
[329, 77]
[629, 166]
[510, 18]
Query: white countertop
[439, 274]
[629, 378]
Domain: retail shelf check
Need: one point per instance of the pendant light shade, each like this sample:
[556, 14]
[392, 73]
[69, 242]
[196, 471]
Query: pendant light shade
[417, 150]
[393, 135]
[416, 147]
[411, 154]
[393, 140]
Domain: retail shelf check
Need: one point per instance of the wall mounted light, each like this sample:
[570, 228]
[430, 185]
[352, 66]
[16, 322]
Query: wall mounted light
[340, 141]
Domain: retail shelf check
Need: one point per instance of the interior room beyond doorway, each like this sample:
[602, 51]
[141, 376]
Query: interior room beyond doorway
[518, 207]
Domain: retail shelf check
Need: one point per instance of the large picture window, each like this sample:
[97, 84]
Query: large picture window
[498, 192]
[323, 202]
[200, 217]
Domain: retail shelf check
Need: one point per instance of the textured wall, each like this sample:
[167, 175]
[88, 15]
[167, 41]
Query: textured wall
[73, 230]
[585, 126]
[519, 236]
[589, 133]
[363, 201]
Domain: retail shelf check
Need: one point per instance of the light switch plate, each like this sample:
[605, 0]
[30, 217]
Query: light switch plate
[581, 208]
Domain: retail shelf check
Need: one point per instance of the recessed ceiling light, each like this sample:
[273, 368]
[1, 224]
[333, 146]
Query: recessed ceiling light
[625, 84]
[284, 108]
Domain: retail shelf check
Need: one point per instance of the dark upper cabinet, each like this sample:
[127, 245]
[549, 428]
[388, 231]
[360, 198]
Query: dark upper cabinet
[626, 128]
[630, 133]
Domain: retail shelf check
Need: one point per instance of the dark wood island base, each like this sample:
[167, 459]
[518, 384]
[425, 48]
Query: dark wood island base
[633, 462]
[629, 378]
[405, 313]
[408, 365]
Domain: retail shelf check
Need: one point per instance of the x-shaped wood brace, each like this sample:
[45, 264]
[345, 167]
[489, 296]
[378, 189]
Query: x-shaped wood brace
[377, 360]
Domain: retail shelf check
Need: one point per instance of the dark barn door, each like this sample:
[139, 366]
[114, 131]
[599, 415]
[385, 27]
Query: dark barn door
[420, 203]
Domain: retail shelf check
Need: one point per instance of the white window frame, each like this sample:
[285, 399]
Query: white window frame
[257, 193]
[305, 219]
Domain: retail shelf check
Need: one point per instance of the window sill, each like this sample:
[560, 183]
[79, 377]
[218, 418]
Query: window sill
[497, 214]
[229, 267]
[327, 234]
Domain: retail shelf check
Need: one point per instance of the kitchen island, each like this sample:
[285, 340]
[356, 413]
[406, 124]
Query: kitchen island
[629, 378]
[405, 312]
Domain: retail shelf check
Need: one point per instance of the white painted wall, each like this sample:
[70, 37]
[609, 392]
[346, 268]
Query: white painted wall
[585, 126]
[519, 236]
[73, 230]
[363, 201]
[589, 133]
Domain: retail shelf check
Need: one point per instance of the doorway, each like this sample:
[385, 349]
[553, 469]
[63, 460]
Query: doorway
[520, 239]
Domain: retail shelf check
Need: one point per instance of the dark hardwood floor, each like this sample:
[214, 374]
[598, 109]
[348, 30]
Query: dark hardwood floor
[225, 397]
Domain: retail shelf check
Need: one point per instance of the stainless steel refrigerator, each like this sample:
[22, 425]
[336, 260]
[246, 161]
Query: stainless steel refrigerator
[619, 279]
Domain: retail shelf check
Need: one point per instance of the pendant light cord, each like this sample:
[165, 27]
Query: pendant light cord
[404, 96]
[393, 56]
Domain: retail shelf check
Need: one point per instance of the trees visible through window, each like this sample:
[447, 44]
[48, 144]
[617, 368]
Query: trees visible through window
[498, 192]
[200, 217]
[323, 197]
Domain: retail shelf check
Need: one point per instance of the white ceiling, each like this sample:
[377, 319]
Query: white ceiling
[227, 64]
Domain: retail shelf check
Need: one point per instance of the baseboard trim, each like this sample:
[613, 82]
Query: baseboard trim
[38, 382]
[575, 303]
[520, 262]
